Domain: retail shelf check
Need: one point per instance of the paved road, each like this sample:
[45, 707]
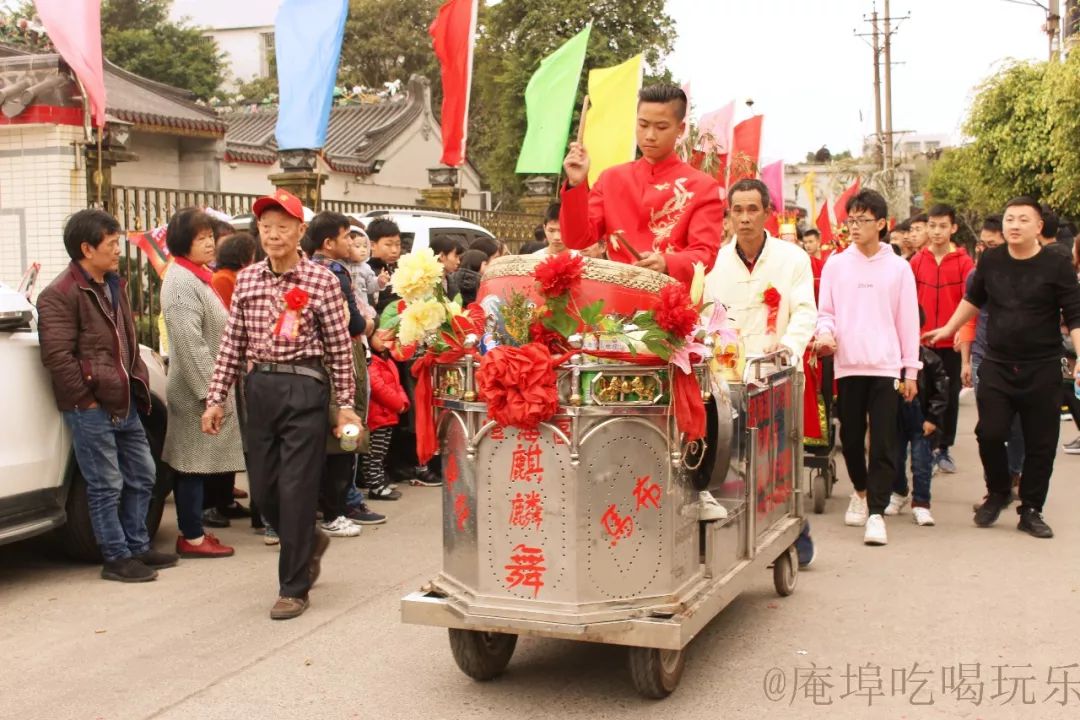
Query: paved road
[948, 605]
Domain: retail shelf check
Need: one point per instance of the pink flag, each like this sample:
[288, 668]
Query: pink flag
[773, 177]
[453, 36]
[714, 129]
[74, 26]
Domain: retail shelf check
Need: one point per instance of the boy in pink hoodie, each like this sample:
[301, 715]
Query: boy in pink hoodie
[868, 315]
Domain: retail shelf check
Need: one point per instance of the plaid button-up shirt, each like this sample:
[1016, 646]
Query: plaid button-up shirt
[257, 303]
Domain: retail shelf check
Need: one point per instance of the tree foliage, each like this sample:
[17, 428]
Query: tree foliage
[387, 41]
[514, 35]
[1024, 126]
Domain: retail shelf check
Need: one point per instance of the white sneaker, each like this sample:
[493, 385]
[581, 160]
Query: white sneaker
[709, 508]
[856, 511]
[340, 527]
[875, 531]
[897, 503]
[922, 516]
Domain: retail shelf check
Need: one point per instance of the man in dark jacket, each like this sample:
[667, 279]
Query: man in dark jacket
[89, 347]
[921, 421]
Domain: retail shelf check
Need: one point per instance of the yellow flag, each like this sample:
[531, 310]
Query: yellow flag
[612, 117]
[808, 186]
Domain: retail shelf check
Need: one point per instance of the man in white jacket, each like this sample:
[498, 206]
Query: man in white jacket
[767, 286]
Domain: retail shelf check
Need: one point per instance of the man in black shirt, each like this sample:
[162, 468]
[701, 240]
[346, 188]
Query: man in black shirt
[1027, 291]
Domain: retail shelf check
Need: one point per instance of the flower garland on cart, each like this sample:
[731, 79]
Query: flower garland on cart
[520, 343]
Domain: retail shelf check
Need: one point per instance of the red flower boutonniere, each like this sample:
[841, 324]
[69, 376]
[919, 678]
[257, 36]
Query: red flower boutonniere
[771, 298]
[288, 323]
[559, 274]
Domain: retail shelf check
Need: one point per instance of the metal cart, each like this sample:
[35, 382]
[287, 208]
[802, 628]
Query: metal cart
[820, 459]
[587, 528]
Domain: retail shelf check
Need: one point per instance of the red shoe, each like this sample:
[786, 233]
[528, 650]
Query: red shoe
[210, 547]
[238, 493]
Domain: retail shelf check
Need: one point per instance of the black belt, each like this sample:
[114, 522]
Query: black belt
[292, 369]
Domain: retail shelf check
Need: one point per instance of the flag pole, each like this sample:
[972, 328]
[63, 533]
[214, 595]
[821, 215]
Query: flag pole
[581, 124]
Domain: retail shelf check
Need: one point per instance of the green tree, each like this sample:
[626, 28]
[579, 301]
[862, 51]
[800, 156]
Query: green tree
[387, 40]
[514, 35]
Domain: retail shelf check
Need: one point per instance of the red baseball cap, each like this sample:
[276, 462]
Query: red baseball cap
[282, 199]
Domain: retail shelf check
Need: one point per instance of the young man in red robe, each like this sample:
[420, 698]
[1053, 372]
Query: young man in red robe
[670, 213]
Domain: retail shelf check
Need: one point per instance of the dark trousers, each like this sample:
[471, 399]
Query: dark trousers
[861, 396]
[218, 490]
[951, 360]
[285, 435]
[911, 433]
[189, 490]
[374, 463]
[1032, 391]
[338, 473]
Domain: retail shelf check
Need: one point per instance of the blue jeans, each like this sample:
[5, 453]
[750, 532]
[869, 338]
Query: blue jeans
[911, 432]
[114, 458]
[1014, 448]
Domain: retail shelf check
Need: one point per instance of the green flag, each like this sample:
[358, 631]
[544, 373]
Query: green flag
[549, 105]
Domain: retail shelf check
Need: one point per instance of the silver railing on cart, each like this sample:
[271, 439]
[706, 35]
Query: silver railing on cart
[755, 366]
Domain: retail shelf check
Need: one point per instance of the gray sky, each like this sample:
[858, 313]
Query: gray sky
[810, 76]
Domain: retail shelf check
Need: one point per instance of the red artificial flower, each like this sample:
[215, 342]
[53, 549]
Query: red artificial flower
[675, 313]
[297, 298]
[550, 339]
[518, 385]
[771, 297]
[559, 274]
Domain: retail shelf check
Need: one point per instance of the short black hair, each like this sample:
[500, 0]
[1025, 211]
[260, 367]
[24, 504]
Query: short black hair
[324, 226]
[943, 210]
[1025, 201]
[220, 228]
[539, 235]
[992, 223]
[473, 259]
[904, 226]
[750, 185]
[812, 231]
[183, 228]
[236, 251]
[1051, 223]
[920, 218]
[552, 213]
[487, 245]
[380, 228]
[532, 246]
[90, 227]
[873, 202]
[447, 244]
[665, 94]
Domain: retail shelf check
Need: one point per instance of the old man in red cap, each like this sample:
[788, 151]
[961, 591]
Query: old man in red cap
[288, 331]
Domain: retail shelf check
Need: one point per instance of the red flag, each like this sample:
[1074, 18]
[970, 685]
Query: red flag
[453, 36]
[153, 247]
[74, 26]
[745, 148]
[824, 226]
[773, 224]
[840, 208]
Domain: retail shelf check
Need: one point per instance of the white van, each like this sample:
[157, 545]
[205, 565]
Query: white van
[419, 226]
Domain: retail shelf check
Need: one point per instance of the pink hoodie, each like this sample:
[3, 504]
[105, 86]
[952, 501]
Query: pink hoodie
[870, 306]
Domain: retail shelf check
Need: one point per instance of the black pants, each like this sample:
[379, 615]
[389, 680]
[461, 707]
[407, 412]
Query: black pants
[858, 397]
[1032, 391]
[285, 435]
[374, 463]
[338, 473]
[951, 360]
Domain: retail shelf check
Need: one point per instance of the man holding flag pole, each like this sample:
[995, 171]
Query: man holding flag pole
[661, 213]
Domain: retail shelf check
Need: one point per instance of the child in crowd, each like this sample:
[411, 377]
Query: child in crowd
[388, 402]
[449, 251]
[467, 278]
[365, 283]
[920, 421]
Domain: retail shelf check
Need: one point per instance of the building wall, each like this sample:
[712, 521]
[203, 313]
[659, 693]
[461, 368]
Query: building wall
[158, 164]
[244, 57]
[42, 183]
[833, 180]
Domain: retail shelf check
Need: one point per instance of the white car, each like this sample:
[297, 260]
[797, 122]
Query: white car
[41, 488]
[419, 226]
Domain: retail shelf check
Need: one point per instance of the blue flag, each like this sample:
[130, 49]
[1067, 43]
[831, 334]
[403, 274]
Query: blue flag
[307, 39]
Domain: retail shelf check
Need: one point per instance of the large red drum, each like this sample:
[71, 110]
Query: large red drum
[625, 289]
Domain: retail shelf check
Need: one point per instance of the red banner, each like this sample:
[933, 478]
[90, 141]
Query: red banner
[453, 36]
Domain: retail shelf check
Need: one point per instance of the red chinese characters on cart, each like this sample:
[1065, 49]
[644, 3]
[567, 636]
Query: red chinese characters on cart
[527, 565]
[646, 495]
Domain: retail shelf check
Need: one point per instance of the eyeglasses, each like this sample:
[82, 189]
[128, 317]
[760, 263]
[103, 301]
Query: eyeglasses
[856, 222]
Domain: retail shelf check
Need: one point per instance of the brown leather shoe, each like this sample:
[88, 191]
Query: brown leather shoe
[286, 608]
[322, 541]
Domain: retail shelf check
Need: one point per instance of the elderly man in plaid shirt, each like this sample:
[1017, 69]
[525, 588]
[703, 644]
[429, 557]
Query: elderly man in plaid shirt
[287, 327]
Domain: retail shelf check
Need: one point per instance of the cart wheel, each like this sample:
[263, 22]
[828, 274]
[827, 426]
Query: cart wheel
[786, 572]
[830, 478]
[481, 655]
[819, 490]
[656, 673]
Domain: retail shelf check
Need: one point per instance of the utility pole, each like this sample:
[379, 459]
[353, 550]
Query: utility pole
[1053, 28]
[888, 89]
[877, 89]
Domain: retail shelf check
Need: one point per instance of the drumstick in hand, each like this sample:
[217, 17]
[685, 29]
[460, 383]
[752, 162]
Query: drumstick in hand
[615, 244]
